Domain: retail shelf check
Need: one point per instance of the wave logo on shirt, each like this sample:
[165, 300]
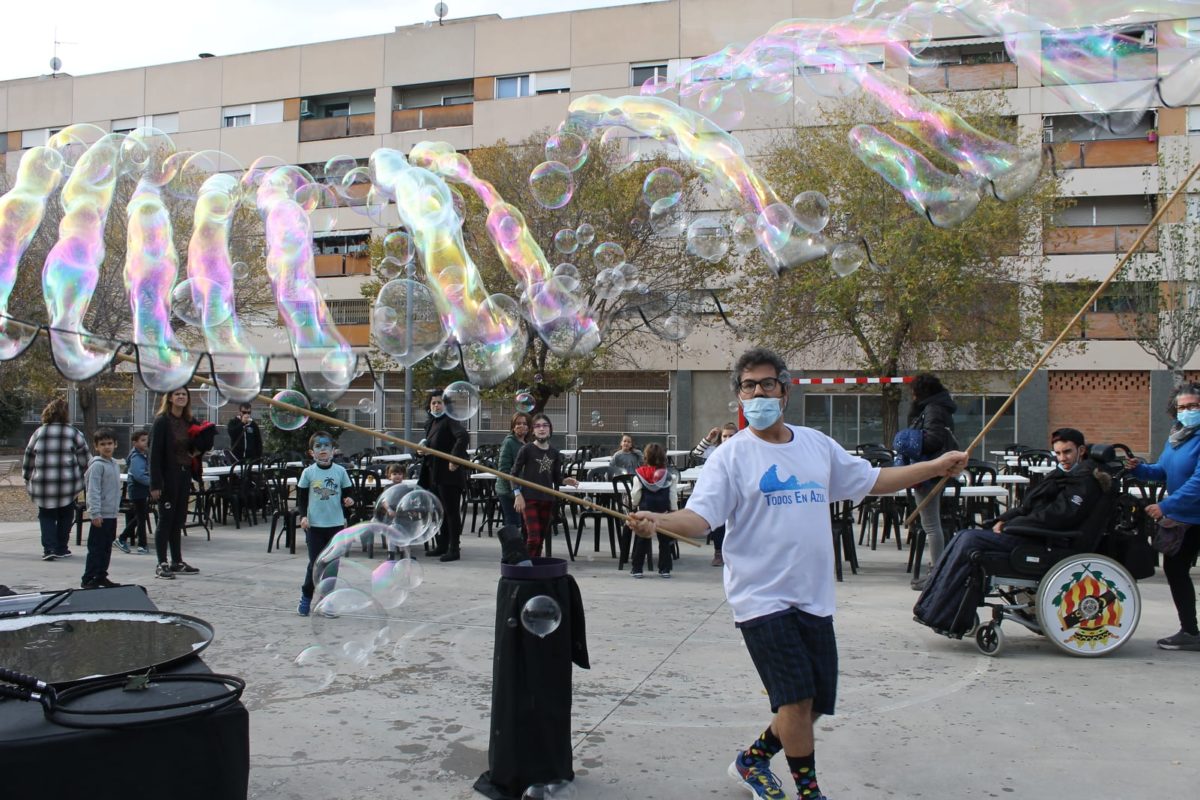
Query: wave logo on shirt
[789, 492]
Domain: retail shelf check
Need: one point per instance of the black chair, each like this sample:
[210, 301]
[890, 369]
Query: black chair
[622, 502]
[281, 508]
[481, 500]
[842, 520]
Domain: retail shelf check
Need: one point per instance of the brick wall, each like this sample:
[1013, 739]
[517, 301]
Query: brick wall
[1107, 405]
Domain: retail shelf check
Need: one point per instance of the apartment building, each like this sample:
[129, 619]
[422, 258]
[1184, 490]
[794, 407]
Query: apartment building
[471, 82]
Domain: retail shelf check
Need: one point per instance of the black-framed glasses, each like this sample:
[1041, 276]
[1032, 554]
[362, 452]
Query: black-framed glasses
[748, 385]
[1189, 407]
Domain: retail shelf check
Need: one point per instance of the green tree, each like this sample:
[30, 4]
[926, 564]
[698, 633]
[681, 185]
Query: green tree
[962, 299]
[13, 405]
[1161, 290]
[607, 195]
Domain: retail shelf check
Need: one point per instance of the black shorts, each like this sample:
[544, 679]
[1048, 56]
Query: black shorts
[795, 654]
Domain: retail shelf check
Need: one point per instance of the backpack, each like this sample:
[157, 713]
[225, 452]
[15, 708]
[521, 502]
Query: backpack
[909, 442]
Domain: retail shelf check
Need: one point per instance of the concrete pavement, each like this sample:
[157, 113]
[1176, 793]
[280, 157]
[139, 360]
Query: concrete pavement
[671, 694]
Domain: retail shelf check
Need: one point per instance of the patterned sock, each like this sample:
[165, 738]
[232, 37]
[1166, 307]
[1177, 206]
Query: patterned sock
[763, 749]
[804, 772]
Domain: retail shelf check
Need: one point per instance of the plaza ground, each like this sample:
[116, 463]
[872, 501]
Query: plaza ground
[671, 694]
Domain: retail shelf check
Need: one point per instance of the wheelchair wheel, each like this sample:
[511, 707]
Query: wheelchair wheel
[989, 639]
[1088, 605]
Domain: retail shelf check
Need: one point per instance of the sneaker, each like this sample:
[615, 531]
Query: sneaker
[120, 545]
[664, 574]
[718, 560]
[48, 556]
[141, 551]
[302, 608]
[163, 570]
[184, 567]
[757, 778]
[919, 584]
[633, 574]
[63, 554]
[1181, 641]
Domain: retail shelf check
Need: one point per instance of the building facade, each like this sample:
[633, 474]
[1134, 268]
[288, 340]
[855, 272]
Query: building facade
[472, 82]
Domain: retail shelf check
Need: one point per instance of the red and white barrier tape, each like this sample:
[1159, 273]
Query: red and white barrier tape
[811, 381]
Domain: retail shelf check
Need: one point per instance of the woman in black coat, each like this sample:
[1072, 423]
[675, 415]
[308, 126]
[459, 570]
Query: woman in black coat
[932, 410]
[444, 478]
[171, 479]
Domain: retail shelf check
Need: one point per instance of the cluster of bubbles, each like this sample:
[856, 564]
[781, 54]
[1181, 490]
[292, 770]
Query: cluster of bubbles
[353, 595]
[596, 419]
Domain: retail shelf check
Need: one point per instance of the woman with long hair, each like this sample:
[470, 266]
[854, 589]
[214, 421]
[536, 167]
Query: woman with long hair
[55, 460]
[445, 478]
[518, 434]
[171, 479]
[932, 411]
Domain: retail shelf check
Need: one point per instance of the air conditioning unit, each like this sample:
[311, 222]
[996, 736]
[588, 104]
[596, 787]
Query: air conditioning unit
[306, 108]
[1047, 122]
[1149, 37]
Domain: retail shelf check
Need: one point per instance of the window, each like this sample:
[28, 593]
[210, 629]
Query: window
[34, 138]
[350, 312]
[1193, 119]
[512, 86]
[336, 110]
[458, 100]
[1060, 128]
[640, 73]
[127, 125]
[167, 123]
[236, 121]
[1096, 55]
[552, 82]
[1093, 211]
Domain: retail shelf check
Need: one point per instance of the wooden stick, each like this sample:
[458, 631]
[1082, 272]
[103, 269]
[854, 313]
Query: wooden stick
[462, 462]
[1137, 243]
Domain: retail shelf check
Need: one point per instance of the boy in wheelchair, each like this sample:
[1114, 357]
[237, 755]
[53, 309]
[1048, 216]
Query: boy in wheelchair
[1067, 511]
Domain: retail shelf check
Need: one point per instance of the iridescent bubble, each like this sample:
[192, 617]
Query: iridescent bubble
[552, 184]
[744, 238]
[524, 402]
[721, 102]
[406, 516]
[812, 211]
[568, 149]
[541, 615]
[347, 623]
[847, 257]
[538, 378]
[608, 255]
[662, 183]
[286, 419]
[336, 169]
[182, 304]
[400, 301]
[616, 143]
[774, 226]
[565, 241]
[585, 233]
[568, 274]
[318, 666]
[461, 400]
[446, 357]
[708, 239]
[339, 365]
[214, 400]
[734, 406]
[675, 328]
[366, 406]
[399, 245]
[391, 581]
[667, 218]
[355, 185]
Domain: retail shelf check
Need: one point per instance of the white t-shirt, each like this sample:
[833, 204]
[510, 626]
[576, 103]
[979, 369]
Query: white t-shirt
[774, 501]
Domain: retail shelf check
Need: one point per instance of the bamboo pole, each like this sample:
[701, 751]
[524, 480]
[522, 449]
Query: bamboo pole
[1116, 270]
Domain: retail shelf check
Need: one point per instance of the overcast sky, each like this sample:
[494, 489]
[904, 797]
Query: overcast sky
[97, 36]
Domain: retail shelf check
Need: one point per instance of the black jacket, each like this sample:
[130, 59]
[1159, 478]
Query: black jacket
[938, 423]
[1063, 500]
[449, 436]
[245, 440]
[162, 455]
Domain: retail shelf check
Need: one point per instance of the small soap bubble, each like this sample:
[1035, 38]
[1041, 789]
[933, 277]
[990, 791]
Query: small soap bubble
[585, 233]
[538, 377]
[446, 357]
[733, 406]
[338, 366]
[183, 305]
[568, 276]
[405, 516]
[667, 218]
[240, 270]
[569, 149]
[461, 400]
[511, 622]
[541, 615]
[675, 328]
[662, 183]
[551, 184]
[390, 268]
[708, 239]
[366, 406]
[399, 245]
[743, 236]
[565, 241]
[608, 255]
[286, 419]
[812, 211]
[524, 402]
[847, 257]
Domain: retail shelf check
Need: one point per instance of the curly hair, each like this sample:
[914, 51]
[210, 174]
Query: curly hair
[56, 411]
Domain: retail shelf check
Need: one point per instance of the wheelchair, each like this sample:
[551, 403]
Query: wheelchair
[1061, 585]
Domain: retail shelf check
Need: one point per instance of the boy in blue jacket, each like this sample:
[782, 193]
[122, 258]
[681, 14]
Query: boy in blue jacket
[103, 481]
[138, 494]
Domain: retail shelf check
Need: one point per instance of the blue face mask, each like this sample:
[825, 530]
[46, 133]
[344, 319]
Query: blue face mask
[1188, 418]
[437, 414]
[762, 412]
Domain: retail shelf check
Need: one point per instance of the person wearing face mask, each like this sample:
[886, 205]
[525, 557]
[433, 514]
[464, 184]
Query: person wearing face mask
[321, 497]
[538, 462]
[771, 486]
[445, 478]
[1179, 466]
[932, 412]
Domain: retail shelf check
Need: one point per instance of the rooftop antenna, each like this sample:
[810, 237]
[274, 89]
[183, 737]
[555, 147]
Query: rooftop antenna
[441, 10]
[56, 62]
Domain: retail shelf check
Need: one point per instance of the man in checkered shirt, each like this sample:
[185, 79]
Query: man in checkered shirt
[55, 460]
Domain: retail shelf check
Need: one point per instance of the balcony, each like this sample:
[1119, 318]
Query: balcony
[965, 77]
[416, 119]
[333, 266]
[356, 335]
[313, 130]
[1096, 239]
[1107, 153]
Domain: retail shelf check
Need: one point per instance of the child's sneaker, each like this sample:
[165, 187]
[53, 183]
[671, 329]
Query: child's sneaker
[635, 573]
[302, 608]
[163, 570]
[141, 551]
[120, 545]
[757, 777]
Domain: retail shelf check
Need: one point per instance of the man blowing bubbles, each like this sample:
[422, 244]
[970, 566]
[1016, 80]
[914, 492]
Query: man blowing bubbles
[771, 485]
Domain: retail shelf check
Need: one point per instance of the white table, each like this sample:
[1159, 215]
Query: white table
[690, 475]
[392, 457]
